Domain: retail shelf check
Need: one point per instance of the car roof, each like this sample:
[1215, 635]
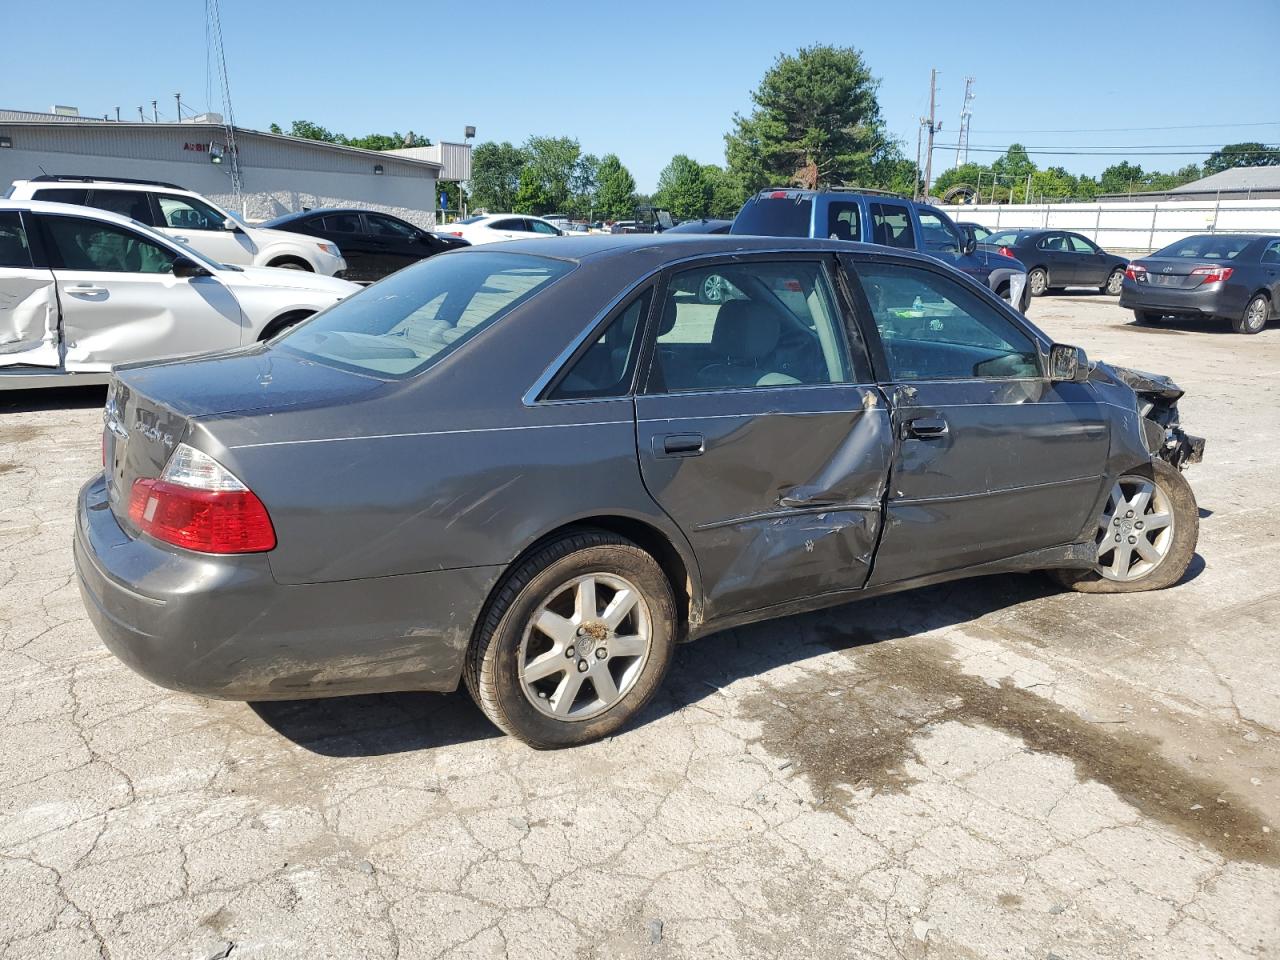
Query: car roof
[72, 209]
[659, 247]
[313, 212]
[68, 182]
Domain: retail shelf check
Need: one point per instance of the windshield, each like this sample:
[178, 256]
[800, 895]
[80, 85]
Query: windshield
[1206, 247]
[785, 216]
[418, 316]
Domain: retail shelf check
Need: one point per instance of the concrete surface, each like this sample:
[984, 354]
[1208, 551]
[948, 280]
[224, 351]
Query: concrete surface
[987, 769]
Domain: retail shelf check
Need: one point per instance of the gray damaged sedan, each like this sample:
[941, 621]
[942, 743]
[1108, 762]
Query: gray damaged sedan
[536, 467]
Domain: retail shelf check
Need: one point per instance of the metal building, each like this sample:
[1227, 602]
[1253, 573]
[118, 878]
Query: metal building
[278, 174]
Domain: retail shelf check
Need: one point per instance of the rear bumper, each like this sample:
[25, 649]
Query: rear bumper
[222, 627]
[1218, 302]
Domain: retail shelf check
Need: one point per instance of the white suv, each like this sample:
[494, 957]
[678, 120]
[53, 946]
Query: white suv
[190, 219]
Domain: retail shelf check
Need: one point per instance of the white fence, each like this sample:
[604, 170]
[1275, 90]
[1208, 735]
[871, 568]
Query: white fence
[1129, 225]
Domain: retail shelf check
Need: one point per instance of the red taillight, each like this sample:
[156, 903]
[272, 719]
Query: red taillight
[211, 521]
[778, 195]
[1135, 272]
[455, 233]
[1006, 252]
[1213, 274]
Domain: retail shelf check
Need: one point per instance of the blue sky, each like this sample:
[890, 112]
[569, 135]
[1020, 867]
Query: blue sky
[649, 80]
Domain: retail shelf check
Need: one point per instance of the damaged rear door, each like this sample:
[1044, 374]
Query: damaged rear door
[761, 433]
[28, 302]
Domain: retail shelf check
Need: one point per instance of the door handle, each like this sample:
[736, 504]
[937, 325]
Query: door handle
[182, 239]
[925, 428]
[84, 288]
[679, 445]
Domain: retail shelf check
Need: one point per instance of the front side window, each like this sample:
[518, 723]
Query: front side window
[511, 226]
[389, 229]
[14, 249]
[844, 221]
[80, 244]
[128, 203]
[1080, 244]
[938, 233]
[342, 223]
[416, 317]
[544, 228]
[933, 328]
[891, 226]
[188, 213]
[605, 369]
[750, 324]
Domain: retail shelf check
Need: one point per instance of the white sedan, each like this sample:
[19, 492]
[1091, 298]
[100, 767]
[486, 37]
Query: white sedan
[82, 290]
[494, 227]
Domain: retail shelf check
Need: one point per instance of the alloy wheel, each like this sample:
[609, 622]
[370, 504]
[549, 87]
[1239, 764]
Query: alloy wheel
[1038, 281]
[1115, 283]
[1135, 531]
[585, 647]
[1256, 317]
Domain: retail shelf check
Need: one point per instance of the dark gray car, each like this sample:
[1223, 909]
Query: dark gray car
[1057, 259]
[1233, 277]
[537, 466]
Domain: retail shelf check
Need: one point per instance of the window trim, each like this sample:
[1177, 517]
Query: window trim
[875, 345]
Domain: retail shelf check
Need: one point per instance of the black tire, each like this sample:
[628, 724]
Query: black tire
[1114, 283]
[1056, 290]
[1256, 314]
[492, 667]
[292, 265]
[1038, 281]
[1186, 532]
[1147, 316]
[282, 323]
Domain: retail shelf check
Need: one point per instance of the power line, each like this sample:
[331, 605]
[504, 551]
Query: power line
[1122, 152]
[1191, 126]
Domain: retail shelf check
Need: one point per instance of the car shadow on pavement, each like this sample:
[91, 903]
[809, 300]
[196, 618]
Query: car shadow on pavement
[52, 398]
[1176, 325]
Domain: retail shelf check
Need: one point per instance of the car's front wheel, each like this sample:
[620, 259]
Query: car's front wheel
[576, 641]
[1146, 535]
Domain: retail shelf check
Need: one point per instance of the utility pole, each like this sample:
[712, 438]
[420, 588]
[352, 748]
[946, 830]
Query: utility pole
[117, 114]
[142, 117]
[178, 99]
[155, 112]
[962, 144]
[934, 127]
[915, 189]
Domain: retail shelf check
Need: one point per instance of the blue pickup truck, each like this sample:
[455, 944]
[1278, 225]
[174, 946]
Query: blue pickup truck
[887, 219]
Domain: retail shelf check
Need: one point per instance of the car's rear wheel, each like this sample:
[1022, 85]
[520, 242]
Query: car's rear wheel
[576, 641]
[1255, 316]
[1114, 283]
[1146, 535]
[1147, 316]
[1038, 282]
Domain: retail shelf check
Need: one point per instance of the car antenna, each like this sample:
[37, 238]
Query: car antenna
[41, 168]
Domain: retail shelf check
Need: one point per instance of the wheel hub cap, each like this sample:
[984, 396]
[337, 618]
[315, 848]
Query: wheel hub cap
[1135, 531]
[585, 647]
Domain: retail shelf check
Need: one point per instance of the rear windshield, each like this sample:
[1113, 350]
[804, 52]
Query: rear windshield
[418, 316]
[1006, 239]
[770, 217]
[1206, 247]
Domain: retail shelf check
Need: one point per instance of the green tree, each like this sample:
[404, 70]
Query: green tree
[583, 187]
[1242, 155]
[373, 141]
[551, 163]
[683, 189]
[727, 194]
[1011, 170]
[616, 191]
[816, 121]
[1167, 181]
[532, 196]
[495, 176]
[1123, 177]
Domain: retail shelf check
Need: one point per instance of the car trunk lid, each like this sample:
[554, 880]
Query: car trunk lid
[1176, 273]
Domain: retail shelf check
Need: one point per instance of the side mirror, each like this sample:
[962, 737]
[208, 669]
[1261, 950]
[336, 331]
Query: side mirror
[1068, 364]
[969, 242]
[185, 267]
[231, 223]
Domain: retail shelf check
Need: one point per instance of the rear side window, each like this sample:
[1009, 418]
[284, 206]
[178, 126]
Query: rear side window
[844, 221]
[605, 369]
[128, 203]
[1272, 253]
[14, 250]
[342, 223]
[891, 226]
[62, 195]
[417, 317]
[768, 216]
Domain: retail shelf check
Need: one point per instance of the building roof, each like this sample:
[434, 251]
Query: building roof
[1237, 178]
[147, 129]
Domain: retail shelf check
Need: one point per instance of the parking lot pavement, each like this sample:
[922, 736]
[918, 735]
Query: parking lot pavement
[990, 768]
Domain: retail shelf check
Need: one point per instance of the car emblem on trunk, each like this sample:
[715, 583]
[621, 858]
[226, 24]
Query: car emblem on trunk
[1168, 270]
[152, 432]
